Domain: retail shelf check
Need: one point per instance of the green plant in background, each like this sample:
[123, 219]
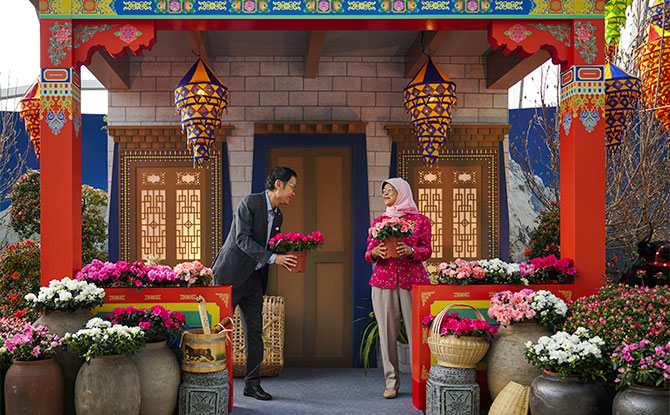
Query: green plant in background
[19, 275]
[370, 338]
[545, 239]
[25, 214]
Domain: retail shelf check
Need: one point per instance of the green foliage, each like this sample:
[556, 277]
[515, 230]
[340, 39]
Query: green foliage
[370, 338]
[19, 275]
[545, 239]
[25, 214]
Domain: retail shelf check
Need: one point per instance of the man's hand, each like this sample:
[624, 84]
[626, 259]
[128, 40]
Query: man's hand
[379, 251]
[286, 261]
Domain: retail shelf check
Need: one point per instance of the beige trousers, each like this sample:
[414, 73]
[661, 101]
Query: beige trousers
[387, 305]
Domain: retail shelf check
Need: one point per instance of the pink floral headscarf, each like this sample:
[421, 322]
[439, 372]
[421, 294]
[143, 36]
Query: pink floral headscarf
[404, 203]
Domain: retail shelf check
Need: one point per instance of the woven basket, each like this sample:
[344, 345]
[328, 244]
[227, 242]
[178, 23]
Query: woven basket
[273, 339]
[454, 351]
[512, 400]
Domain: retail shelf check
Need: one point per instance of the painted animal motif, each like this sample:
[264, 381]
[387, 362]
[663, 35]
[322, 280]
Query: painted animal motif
[195, 354]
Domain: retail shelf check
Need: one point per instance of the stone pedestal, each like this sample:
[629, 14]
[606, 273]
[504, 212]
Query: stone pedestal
[451, 391]
[204, 393]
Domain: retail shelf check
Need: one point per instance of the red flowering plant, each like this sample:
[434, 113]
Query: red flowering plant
[391, 227]
[292, 241]
[453, 324]
[642, 363]
[156, 322]
[545, 239]
[548, 270]
[19, 275]
[623, 314]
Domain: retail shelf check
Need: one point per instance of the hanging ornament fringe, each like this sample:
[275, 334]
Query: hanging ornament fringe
[622, 92]
[200, 98]
[654, 59]
[430, 99]
[615, 17]
[29, 110]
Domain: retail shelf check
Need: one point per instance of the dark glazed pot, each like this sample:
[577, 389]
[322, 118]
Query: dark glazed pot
[641, 400]
[34, 387]
[552, 395]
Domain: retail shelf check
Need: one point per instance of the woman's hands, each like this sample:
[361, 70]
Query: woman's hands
[403, 249]
[379, 251]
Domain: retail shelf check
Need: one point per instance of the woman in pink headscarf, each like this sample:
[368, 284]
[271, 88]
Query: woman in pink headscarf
[392, 278]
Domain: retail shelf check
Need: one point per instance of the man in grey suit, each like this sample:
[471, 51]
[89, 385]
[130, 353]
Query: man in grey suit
[243, 263]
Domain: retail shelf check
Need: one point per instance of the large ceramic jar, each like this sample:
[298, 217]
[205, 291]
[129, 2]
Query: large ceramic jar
[159, 373]
[59, 323]
[110, 385]
[641, 400]
[34, 387]
[551, 394]
[506, 359]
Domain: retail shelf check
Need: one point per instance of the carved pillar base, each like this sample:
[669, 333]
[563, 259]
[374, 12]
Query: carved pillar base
[204, 393]
[452, 391]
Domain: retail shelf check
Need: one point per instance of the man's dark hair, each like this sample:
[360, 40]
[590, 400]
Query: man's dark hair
[279, 173]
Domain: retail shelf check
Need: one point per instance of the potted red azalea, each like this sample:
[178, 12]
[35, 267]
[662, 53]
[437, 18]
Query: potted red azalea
[297, 244]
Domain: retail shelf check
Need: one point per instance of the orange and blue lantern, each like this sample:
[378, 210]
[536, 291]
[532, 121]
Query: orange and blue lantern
[622, 91]
[200, 98]
[29, 109]
[430, 99]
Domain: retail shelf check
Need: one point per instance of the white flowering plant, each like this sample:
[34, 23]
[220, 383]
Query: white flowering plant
[66, 295]
[566, 354]
[102, 338]
[549, 309]
[501, 272]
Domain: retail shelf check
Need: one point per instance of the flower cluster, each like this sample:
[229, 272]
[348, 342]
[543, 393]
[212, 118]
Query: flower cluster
[102, 338]
[156, 322]
[453, 324]
[292, 241]
[9, 326]
[136, 275]
[194, 273]
[545, 239]
[66, 295]
[93, 225]
[494, 271]
[19, 275]
[642, 363]
[623, 314]
[566, 354]
[391, 227]
[32, 343]
[507, 307]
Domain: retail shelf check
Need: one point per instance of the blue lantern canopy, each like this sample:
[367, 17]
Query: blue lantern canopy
[622, 91]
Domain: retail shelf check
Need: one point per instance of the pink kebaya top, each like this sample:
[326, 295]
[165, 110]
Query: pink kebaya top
[390, 272]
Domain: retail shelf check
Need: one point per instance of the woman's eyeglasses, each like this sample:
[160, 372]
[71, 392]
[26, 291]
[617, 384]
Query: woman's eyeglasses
[387, 190]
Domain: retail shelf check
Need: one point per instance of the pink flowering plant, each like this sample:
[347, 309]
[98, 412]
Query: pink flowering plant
[156, 322]
[194, 273]
[642, 363]
[544, 307]
[126, 275]
[31, 343]
[549, 269]
[460, 272]
[9, 326]
[293, 241]
[391, 227]
[453, 324]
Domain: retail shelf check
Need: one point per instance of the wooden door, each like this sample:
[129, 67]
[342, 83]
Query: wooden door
[318, 301]
[451, 195]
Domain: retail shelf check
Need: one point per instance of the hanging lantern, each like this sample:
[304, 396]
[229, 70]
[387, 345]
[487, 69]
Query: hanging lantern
[659, 14]
[615, 17]
[654, 58]
[622, 91]
[200, 99]
[29, 109]
[429, 99]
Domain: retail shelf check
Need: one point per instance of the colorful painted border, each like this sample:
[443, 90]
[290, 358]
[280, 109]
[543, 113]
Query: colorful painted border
[128, 157]
[319, 9]
[491, 158]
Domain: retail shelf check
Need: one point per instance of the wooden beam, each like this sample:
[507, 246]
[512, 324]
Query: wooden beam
[315, 39]
[415, 58]
[503, 71]
[113, 73]
[199, 44]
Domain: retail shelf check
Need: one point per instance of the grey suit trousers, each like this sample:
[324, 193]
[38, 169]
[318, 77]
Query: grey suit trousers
[249, 297]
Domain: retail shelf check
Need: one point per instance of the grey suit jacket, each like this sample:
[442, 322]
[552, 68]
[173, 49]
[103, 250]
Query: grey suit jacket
[245, 245]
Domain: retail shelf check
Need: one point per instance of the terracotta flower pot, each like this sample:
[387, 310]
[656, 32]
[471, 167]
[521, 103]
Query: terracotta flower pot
[641, 400]
[159, 373]
[302, 260]
[391, 243]
[551, 394]
[34, 387]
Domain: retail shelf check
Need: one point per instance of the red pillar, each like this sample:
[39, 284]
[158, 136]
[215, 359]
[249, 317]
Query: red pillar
[583, 155]
[60, 160]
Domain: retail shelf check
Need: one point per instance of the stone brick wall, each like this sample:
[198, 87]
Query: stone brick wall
[367, 89]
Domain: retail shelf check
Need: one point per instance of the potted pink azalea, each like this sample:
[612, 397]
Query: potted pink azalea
[390, 231]
[297, 244]
[194, 273]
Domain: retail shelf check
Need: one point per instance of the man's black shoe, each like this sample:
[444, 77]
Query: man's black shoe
[257, 392]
